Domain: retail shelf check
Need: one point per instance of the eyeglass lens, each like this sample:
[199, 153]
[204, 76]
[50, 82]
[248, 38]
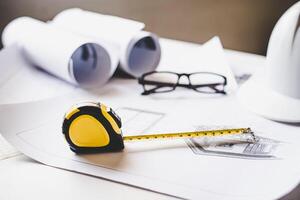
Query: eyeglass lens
[161, 82]
[207, 82]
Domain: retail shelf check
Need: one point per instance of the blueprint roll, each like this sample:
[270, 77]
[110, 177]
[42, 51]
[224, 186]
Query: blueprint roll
[138, 51]
[73, 58]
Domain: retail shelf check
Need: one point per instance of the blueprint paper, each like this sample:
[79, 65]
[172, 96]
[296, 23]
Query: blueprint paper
[71, 57]
[209, 57]
[169, 167]
[138, 51]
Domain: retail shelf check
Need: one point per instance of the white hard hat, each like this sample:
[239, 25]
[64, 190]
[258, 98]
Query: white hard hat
[274, 92]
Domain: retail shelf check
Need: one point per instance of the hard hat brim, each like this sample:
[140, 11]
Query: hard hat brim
[256, 96]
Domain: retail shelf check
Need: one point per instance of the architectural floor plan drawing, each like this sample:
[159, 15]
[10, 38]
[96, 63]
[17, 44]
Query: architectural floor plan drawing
[263, 148]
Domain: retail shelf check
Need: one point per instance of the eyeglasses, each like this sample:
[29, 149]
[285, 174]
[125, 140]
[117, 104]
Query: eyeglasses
[203, 82]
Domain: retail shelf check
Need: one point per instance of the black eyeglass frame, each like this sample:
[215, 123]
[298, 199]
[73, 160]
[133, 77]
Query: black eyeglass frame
[173, 86]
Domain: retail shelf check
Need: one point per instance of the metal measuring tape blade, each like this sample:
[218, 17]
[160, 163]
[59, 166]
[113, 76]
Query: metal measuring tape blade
[93, 127]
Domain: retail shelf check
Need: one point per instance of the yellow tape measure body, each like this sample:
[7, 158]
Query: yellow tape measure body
[93, 127]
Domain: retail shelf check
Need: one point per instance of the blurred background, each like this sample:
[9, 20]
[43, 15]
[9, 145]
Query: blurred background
[243, 25]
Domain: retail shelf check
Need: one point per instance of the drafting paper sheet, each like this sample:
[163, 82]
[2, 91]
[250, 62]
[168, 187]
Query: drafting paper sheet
[172, 167]
[209, 58]
[6, 150]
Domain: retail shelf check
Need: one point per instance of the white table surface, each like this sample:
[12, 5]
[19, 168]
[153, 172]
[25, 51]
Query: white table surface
[23, 178]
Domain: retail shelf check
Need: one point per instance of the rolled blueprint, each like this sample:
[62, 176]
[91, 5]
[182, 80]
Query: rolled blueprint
[73, 58]
[138, 51]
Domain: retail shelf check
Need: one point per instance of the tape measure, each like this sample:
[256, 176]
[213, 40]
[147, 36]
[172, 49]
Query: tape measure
[93, 127]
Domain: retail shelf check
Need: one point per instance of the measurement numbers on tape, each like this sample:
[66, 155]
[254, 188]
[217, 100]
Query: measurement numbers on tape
[194, 134]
